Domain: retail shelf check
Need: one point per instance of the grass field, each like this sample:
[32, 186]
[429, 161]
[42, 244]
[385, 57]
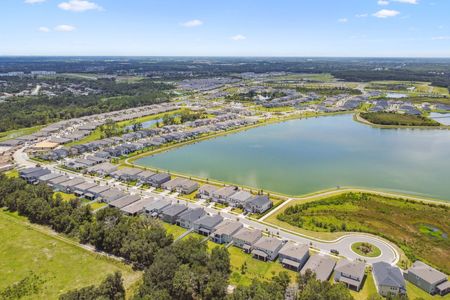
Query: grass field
[255, 268]
[384, 118]
[372, 250]
[174, 230]
[65, 196]
[367, 290]
[58, 264]
[395, 219]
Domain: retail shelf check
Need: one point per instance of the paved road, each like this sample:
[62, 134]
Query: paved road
[343, 244]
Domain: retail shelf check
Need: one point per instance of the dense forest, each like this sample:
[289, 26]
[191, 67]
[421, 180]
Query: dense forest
[20, 112]
[184, 270]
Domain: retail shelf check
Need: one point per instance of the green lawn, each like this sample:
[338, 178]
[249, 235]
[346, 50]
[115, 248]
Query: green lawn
[366, 249]
[58, 264]
[255, 268]
[12, 174]
[414, 292]
[97, 205]
[367, 290]
[65, 196]
[174, 230]
[385, 118]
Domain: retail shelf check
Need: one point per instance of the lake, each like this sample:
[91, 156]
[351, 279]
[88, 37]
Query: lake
[146, 124]
[307, 155]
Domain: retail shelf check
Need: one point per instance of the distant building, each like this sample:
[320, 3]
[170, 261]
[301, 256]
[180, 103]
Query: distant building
[428, 279]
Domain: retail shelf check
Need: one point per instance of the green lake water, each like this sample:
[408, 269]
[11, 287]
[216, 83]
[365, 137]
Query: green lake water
[307, 155]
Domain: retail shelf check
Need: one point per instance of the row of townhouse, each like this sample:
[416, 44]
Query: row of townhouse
[235, 197]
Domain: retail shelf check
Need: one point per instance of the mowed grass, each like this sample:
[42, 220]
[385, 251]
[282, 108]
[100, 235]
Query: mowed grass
[65, 197]
[255, 268]
[174, 230]
[60, 264]
[394, 219]
[373, 251]
[367, 290]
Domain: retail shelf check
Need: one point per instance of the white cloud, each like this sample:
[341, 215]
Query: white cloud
[192, 23]
[407, 1]
[34, 1]
[383, 2]
[238, 37]
[343, 20]
[386, 13]
[44, 29]
[65, 28]
[441, 38]
[362, 15]
[79, 5]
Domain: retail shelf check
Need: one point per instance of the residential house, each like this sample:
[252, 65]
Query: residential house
[83, 188]
[47, 177]
[351, 273]
[206, 224]
[427, 278]
[224, 231]
[145, 176]
[171, 213]
[258, 204]
[320, 265]
[294, 256]
[103, 169]
[155, 208]
[94, 192]
[31, 175]
[137, 207]
[246, 238]
[172, 184]
[124, 201]
[187, 218]
[223, 195]
[206, 191]
[126, 174]
[158, 179]
[267, 248]
[388, 279]
[187, 187]
[111, 195]
[55, 183]
[238, 199]
[68, 186]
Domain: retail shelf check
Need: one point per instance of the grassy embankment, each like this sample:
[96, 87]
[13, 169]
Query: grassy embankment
[398, 220]
[50, 264]
[12, 134]
[385, 118]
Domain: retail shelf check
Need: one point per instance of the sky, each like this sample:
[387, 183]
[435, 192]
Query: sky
[358, 28]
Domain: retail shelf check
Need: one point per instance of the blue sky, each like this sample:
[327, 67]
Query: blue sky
[418, 28]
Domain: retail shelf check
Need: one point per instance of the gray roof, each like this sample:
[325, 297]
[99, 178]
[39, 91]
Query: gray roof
[112, 193]
[193, 214]
[209, 221]
[225, 191]
[228, 227]
[248, 235]
[258, 200]
[208, 188]
[124, 201]
[158, 204]
[268, 243]
[387, 275]
[174, 209]
[427, 273]
[354, 269]
[146, 174]
[173, 183]
[293, 250]
[137, 206]
[60, 179]
[160, 176]
[85, 186]
[320, 265]
[241, 196]
[50, 176]
[72, 182]
[98, 189]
